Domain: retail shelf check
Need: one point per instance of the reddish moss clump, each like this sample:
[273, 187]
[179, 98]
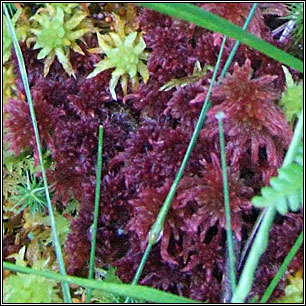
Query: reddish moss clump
[253, 122]
[145, 138]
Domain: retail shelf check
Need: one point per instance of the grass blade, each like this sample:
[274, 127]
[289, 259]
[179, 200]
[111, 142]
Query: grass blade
[136, 292]
[96, 211]
[282, 268]
[59, 255]
[202, 18]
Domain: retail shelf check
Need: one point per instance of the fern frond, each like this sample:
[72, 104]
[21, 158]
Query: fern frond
[292, 98]
[286, 190]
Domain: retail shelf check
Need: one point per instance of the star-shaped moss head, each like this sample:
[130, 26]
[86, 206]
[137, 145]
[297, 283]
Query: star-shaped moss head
[126, 55]
[55, 32]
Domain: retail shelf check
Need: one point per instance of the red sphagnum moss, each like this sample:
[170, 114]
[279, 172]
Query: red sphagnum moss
[145, 139]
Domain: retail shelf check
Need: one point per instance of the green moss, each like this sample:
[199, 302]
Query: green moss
[126, 54]
[295, 289]
[14, 168]
[198, 74]
[297, 15]
[55, 33]
[24, 288]
[21, 29]
[68, 8]
[8, 82]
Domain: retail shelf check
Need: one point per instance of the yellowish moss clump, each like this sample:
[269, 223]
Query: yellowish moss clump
[22, 28]
[124, 52]
[23, 288]
[8, 82]
[295, 289]
[55, 31]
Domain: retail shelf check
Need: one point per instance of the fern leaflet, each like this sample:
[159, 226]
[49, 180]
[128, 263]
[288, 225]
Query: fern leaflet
[286, 190]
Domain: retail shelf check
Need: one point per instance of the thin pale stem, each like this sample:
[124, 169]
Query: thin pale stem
[57, 246]
[96, 212]
[229, 234]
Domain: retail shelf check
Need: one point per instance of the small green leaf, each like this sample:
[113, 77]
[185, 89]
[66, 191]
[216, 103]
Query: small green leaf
[112, 85]
[143, 71]
[286, 190]
[75, 20]
[116, 38]
[129, 41]
[77, 34]
[64, 60]
[294, 201]
[43, 53]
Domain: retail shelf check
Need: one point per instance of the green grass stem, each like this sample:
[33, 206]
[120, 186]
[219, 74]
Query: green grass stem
[237, 43]
[282, 268]
[140, 268]
[136, 292]
[57, 246]
[258, 248]
[96, 212]
[296, 138]
[229, 234]
[156, 230]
